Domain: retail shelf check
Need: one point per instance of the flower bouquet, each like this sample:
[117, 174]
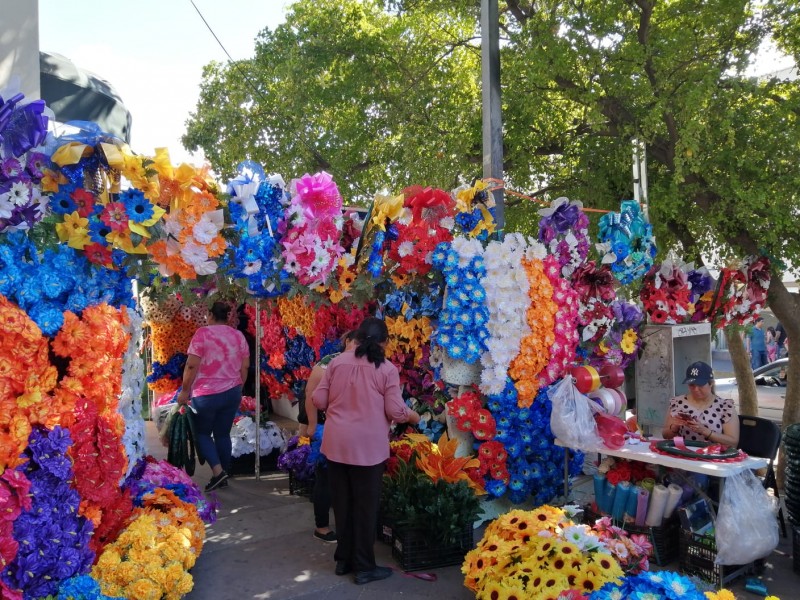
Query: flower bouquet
[538, 554]
[427, 488]
[564, 229]
[296, 461]
[626, 242]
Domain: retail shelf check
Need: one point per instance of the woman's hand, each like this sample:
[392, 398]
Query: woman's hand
[183, 397]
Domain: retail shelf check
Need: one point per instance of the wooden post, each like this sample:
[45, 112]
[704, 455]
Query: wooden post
[492, 109]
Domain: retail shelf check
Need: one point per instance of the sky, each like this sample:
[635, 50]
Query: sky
[153, 52]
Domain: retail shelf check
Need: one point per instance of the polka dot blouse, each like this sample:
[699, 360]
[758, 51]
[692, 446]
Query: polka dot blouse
[714, 417]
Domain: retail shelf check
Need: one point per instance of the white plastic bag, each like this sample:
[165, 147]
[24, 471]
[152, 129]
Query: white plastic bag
[571, 419]
[746, 527]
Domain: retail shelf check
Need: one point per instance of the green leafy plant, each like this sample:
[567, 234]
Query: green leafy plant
[411, 500]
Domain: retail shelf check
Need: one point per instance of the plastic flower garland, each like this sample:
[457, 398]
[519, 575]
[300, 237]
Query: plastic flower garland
[595, 288]
[53, 538]
[15, 489]
[426, 221]
[626, 242]
[564, 230]
[130, 400]
[622, 341]
[534, 350]
[666, 293]
[536, 554]
[45, 284]
[257, 209]
[461, 331]
[243, 437]
[313, 228]
[22, 128]
[742, 291]
[521, 459]
[474, 214]
[565, 330]
[152, 557]
[661, 584]
[506, 284]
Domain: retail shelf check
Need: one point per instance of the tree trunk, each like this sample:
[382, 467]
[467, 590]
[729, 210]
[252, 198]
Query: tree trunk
[786, 308]
[748, 396]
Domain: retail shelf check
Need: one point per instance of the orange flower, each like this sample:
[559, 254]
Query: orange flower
[534, 351]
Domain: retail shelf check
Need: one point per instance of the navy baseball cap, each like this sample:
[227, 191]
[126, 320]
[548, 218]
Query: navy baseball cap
[699, 373]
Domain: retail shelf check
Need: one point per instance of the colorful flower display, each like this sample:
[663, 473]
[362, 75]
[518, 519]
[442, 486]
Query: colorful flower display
[540, 554]
[742, 292]
[564, 230]
[626, 242]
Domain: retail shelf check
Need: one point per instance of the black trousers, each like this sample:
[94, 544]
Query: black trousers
[321, 497]
[356, 495]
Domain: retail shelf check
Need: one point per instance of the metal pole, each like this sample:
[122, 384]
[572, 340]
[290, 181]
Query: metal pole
[640, 176]
[258, 392]
[492, 109]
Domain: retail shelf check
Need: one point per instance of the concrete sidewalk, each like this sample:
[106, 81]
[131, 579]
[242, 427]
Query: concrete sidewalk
[262, 547]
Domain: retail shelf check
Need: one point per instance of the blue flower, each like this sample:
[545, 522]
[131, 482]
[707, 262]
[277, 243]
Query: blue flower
[495, 488]
[137, 206]
[61, 202]
[98, 231]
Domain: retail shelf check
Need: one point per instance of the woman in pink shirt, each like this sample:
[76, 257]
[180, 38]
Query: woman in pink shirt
[361, 396]
[215, 369]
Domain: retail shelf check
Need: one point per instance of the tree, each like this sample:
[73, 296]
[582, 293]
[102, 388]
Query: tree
[386, 95]
[378, 100]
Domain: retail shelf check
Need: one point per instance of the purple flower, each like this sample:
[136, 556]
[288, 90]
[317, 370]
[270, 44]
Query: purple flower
[10, 168]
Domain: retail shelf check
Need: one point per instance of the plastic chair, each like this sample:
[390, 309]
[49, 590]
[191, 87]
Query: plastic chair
[762, 438]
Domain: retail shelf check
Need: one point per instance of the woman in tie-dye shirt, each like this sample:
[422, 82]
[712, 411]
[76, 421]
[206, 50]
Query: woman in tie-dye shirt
[215, 370]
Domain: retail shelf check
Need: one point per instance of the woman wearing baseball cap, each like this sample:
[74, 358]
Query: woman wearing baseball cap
[701, 415]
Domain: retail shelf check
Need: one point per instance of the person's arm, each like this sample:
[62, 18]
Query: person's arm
[320, 396]
[729, 436]
[189, 375]
[311, 411]
[672, 427]
[394, 406]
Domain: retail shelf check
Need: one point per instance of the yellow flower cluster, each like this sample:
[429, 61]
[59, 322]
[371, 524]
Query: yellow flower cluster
[728, 595]
[297, 313]
[534, 352]
[628, 343]
[408, 336]
[150, 559]
[523, 555]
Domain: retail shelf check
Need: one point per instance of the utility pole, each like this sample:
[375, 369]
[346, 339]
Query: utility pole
[640, 177]
[492, 109]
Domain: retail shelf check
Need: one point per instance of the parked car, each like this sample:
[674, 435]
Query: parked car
[770, 387]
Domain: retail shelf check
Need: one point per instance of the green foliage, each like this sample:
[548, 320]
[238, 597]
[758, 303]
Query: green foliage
[441, 510]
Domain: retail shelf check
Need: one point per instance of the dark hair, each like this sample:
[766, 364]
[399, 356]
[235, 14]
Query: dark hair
[370, 335]
[220, 311]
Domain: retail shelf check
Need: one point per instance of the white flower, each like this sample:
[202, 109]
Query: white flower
[405, 249]
[19, 193]
[204, 230]
[252, 267]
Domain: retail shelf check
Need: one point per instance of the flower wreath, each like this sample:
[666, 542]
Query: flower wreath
[564, 230]
[626, 242]
[742, 291]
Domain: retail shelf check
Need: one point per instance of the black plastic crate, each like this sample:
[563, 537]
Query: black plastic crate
[385, 530]
[664, 538]
[413, 551]
[300, 487]
[698, 553]
[246, 463]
